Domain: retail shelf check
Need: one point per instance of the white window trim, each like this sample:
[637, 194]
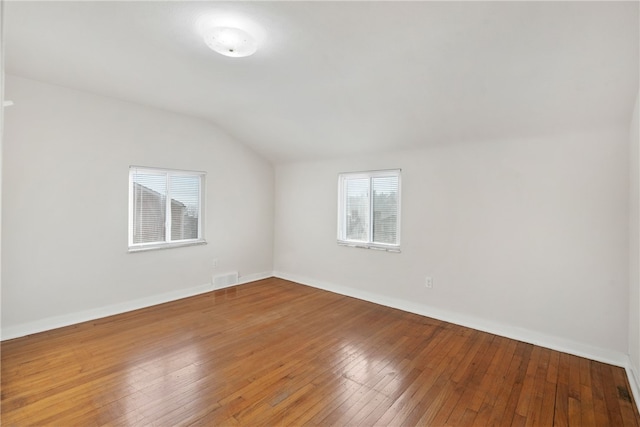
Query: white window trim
[342, 214]
[141, 247]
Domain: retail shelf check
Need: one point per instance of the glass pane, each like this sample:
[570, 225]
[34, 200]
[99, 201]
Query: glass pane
[357, 209]
[385, 209]
[149, 207]
[185, 206]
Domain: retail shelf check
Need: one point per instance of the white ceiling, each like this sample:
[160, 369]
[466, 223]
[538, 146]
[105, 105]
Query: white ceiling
[340, 78]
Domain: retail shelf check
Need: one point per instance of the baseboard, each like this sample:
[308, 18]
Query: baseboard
[544, 340]
[55, 322]
[254, 277]
[634, 381]
[532, 337]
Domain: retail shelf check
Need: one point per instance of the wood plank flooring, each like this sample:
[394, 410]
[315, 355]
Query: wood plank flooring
[277, 353]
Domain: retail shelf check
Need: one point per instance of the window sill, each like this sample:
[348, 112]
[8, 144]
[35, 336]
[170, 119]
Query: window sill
[361, 245]
[158, 246]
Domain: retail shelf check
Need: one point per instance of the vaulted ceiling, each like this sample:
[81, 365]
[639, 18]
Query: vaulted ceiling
[340, 78]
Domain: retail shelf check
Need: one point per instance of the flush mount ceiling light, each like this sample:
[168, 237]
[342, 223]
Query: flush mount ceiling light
[230, 33]
[230, 41]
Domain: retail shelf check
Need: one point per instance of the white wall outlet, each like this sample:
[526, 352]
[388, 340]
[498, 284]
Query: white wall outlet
[214, 263]
[428, 282]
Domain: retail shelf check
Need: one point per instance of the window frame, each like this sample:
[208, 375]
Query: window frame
[167, 243]
[342, 214]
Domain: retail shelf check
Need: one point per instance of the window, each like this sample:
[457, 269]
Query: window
[369, 209]
[165, 208]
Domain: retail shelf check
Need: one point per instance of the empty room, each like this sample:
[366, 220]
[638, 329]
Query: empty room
[320, 213]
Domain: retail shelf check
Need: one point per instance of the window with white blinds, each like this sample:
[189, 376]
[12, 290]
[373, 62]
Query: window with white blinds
[165, 208]
[369, 209]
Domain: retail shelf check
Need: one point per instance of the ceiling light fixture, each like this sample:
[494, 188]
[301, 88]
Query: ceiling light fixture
[230, 41]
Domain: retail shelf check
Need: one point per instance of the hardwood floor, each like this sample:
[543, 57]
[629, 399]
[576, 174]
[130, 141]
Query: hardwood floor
[276, 353]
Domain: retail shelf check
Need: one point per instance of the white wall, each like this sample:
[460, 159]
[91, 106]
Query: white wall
[527, 237]
[1, 133]
[64, 219]
[523, 236]
[634, 249]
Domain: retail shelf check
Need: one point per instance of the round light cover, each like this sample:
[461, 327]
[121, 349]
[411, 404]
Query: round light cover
[230, 41]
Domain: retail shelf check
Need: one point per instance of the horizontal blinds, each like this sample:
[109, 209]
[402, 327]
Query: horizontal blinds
[149, 206]
[357, 209]
[165, 206]
[185, 206]
[369, 209]
[385, 209]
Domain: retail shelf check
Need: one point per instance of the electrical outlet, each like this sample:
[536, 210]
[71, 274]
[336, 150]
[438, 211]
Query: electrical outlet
[428, 282]
[214, 263]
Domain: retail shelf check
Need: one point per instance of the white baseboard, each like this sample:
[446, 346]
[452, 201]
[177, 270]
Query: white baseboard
[254, 277]
[541, 339]
[528, 336]
[55, 322]
[634, 381]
